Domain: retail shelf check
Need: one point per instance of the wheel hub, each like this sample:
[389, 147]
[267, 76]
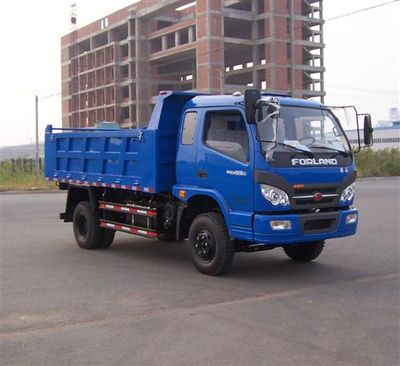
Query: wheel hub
[82, 226]
[205, 245]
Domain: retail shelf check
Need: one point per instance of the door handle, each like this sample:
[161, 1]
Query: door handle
[202, 174]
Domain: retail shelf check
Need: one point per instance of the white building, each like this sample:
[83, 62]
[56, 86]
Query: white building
[384, 137]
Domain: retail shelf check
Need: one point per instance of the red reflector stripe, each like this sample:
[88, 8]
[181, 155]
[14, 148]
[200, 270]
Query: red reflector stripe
[106, 206]
[128, 229]
[99, 184]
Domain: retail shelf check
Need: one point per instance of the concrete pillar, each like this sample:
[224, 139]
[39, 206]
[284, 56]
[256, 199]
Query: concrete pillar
[209, 46]
[292, 55]
[131, 31]
[322, 55]
[177, 39]
[142, 68]
[269, 29]
[255, 51]
[277, 62]
[163, 43]
[297, 51]
[190, 35]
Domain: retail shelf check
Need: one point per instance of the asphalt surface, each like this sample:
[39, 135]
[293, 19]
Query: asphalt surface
[142, 303]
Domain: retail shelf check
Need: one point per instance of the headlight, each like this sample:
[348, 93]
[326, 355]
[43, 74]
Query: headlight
[274, 195]
[348, 193]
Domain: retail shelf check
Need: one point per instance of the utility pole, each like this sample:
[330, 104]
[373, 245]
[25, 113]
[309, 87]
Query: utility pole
[74, 60]
[37, 138]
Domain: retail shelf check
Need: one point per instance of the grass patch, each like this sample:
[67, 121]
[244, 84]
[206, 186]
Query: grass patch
[18, 175]
[27, 185]
[381, 163]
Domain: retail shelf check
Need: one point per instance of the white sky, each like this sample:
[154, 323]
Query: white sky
[362, 59]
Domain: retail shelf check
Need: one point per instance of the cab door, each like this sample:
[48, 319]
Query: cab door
[186, 159]
[224, 157]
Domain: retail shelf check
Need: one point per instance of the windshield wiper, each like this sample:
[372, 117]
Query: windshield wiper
[341, 152]
[305, 152]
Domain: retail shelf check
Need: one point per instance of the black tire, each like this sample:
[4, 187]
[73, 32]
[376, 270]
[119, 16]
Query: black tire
[87, 231]
[107, 238]
[211, 247]
[304, 252]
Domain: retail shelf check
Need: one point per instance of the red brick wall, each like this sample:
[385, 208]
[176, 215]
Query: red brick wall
[209, 51]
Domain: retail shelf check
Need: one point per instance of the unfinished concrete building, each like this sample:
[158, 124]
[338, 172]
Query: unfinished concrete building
[113, 68]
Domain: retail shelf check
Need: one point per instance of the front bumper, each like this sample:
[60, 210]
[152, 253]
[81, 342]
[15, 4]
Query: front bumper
[304, 227]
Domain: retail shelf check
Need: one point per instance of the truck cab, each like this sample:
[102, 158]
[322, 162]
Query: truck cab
[245, 173]
[283, 174]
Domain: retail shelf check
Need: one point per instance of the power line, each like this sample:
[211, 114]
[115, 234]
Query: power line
[50, 95]
[362, 10]
[251, 42]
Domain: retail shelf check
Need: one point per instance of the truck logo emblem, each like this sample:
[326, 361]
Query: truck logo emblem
[317, 197]
[236, 172]
[314, 162]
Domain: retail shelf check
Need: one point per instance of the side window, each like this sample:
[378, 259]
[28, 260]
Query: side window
[226, 132]
[189, 126]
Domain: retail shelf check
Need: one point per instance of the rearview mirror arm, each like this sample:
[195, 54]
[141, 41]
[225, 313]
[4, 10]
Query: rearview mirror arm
[358, 125]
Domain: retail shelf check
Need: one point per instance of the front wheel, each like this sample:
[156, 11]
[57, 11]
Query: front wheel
[211, 247]
[304, 252]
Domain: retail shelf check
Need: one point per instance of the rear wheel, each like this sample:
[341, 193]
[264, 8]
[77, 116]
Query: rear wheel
[304, 252]
[211, 247]
[107, 238]
[87, 231]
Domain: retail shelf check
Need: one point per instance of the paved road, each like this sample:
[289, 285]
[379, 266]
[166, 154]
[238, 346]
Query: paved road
[142, 302]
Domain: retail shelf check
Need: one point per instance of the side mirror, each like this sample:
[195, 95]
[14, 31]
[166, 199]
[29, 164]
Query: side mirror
[368, 130]
[251, 96]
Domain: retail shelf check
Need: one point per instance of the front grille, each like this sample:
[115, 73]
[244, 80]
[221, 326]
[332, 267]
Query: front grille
[313, 225]
[319, 223]
[304, 196]
[311, 190]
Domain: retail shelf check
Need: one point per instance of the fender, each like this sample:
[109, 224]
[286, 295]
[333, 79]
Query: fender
[196, 191]
[76, 194]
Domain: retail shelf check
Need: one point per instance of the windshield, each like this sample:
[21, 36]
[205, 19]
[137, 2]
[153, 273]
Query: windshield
[301, 129]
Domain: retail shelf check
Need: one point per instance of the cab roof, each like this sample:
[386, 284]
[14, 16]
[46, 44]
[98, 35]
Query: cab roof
[203, 101]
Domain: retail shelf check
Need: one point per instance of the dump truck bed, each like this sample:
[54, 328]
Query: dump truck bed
[128, 159]
[136, 159]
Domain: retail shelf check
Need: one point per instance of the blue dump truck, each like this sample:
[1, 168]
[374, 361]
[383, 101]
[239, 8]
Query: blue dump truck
[227, 173]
